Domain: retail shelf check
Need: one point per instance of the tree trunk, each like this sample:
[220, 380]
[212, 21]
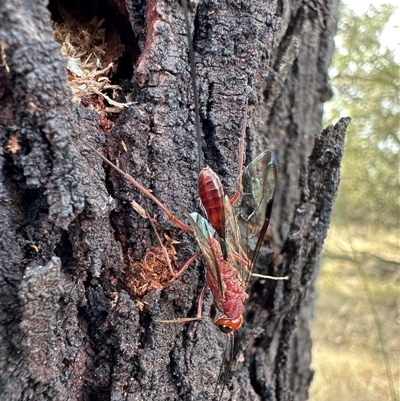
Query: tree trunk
[80, 302]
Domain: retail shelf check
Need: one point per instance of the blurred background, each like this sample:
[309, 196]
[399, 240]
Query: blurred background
[356, 329]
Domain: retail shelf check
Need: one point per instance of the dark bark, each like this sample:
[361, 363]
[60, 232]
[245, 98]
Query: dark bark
[71, 327]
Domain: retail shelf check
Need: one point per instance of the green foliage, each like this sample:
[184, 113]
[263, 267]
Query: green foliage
[357, 314]
[366, 86]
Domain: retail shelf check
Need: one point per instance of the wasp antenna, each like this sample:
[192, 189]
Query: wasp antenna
[194, 84]
[163, 248]
[269, 277]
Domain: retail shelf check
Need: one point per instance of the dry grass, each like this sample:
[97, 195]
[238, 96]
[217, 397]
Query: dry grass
[347, 356]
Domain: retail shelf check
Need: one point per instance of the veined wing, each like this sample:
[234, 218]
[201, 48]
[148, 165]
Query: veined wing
[253, 209]
[204, 234]
[236, 255]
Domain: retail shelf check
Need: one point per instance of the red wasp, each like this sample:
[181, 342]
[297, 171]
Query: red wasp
[229, 239]
[231, 235]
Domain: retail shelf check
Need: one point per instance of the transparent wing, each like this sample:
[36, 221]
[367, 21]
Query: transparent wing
[253, 209]
[204, 234]
[236, 255]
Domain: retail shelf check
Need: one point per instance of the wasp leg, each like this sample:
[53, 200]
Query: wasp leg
[189, 319]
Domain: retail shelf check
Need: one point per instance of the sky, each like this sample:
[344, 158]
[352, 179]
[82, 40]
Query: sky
[391, 35]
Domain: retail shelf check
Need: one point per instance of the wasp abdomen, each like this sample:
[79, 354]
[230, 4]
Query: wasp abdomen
[212, 197]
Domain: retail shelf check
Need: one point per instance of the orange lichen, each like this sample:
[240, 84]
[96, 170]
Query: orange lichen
[3, 61]
[152, 271]
[97, 102]
[13, 145]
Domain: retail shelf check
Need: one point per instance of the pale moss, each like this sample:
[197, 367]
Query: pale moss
[84, 45]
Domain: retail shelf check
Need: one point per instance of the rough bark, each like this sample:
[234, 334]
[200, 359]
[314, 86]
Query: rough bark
[71, 329]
